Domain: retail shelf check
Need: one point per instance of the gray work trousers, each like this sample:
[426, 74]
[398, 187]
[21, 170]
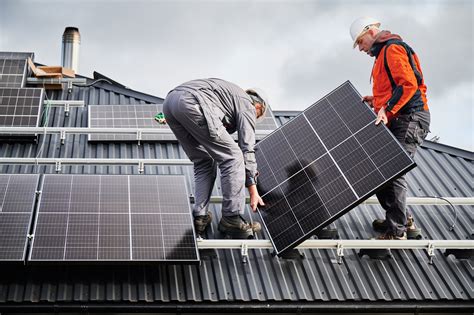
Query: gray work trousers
[185, 118]
[410, 130]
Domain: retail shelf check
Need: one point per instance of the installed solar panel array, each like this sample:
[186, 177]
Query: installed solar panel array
[12, 73]
[126, 116]
[113, 218]
[16, 55]
[17, 197]
[20, 107]
[142, 116]
[323, 163]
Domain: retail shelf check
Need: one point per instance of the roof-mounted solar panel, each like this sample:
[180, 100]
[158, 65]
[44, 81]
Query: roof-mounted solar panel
[12, 73]
[17, 199]
[126, 116]
[268, 121]
[114, 218]
[16, 55]
[20, 107]
[323, 163]
[142, 116]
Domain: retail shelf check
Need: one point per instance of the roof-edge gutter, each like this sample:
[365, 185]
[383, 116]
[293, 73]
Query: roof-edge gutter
[454, 306]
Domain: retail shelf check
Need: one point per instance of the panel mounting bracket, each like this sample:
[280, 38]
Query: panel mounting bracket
[431, 252]
[340, 253]
[244, 250]
[139, 136]
[141, 167]
[58, 166]
[62, 136]
[69, 86]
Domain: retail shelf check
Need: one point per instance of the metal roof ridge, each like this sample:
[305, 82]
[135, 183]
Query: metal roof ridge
[117, 87]
[446, 148]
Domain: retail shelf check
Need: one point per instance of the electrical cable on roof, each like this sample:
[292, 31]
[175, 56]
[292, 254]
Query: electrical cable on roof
[93, 83]
[451, 227]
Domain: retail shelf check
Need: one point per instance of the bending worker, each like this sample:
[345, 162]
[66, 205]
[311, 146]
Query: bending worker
[399, 100]
[202, 114]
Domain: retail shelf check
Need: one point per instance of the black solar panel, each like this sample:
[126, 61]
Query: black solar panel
[17, 198]
[12, 73]
[92, 218]
[323, 163]
[20, 107]
[16, 55]
[142, 116]
[126, 116]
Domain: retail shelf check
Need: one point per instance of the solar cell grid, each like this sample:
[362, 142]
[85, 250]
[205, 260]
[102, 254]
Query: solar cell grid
[16, 55]
[12, 73]
[323, 163]
[20, 107]
[142, 116]
[126, 116]
[17, 197]
[113, 218]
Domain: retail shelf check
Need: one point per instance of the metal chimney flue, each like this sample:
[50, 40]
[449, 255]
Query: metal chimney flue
[70, 48]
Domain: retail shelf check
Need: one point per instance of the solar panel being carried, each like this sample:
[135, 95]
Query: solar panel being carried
[17, 198]
[20, 107]
[120, 218]
[323, 163]
[12, 73]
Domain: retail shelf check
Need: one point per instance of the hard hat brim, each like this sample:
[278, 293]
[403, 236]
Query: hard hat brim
[363, 32]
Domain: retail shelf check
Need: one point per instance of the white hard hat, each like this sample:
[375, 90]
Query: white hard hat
[360, 26]
[261, 97]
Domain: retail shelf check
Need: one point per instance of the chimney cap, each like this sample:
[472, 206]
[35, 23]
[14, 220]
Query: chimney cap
[71, 29]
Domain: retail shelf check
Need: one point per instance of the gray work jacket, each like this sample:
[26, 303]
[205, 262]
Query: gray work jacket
[225, 104]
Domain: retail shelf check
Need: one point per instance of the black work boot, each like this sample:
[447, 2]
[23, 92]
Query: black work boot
[391, 236]
[236, 227]
[201, 222]
[380, 225]
[413, 232]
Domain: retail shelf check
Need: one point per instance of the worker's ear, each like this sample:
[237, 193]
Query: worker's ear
[372, 32]
[259, 109]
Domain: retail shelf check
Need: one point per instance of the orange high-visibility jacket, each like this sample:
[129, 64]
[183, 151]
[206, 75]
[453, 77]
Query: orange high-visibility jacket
[404, 78]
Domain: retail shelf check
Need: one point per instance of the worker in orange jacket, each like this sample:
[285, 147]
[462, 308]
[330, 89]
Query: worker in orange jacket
[399, 100]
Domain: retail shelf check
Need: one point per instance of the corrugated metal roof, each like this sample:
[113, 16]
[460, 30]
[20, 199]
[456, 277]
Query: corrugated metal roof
[407, 281]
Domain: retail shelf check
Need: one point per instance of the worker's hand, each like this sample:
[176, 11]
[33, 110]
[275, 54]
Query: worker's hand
[255, 199]
[369, 99]
[381, 116]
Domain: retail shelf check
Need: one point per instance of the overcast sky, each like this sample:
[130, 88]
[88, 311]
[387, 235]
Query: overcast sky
[296, 50]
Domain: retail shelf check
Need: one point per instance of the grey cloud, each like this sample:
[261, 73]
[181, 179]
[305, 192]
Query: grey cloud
[297, 50]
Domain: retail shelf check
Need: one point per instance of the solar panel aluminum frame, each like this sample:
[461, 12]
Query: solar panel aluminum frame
[26, 137]
[16, 55]
[23, 74]
[131, 137]
[169, 137]
[30, 222]
[350, 206]
[105, 261]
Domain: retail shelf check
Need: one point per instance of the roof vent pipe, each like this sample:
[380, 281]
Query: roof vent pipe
[70, 48]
